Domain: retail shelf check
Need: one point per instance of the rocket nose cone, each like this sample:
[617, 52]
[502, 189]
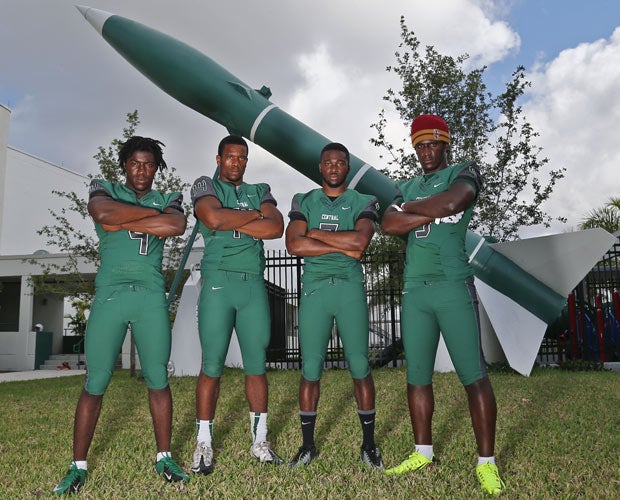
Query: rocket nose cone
[95, 17]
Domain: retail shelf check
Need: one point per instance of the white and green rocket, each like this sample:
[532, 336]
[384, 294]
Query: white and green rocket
[522, 285]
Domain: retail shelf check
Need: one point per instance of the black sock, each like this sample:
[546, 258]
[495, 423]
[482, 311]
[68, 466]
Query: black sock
[367, 419]
[308, 419]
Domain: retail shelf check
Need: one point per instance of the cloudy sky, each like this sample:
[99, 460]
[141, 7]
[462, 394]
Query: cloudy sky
[324, 61]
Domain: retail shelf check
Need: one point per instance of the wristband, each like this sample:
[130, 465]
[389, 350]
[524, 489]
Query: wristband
[396, 207]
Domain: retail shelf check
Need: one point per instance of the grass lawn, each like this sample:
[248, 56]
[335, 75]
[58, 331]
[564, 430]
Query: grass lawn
[558, 436]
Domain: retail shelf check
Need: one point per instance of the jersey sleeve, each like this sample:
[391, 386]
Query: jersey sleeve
[398, 197]
[296, 213]
[267, 196]
[370, 210]
[470, 173]
[175, 202]
[203, 186]
[98, 188]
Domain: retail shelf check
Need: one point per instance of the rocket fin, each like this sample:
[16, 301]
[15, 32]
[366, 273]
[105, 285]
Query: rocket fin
[264, 91]
[242, 89]
[186, 353]
[518, 331]
[560, 261]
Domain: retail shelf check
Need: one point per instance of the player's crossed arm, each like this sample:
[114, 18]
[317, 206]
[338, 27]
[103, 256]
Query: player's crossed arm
[266, 223]
[115, 216]
[402, 218]
[170, 222]
[304, 243]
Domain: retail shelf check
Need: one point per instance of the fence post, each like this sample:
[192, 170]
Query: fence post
[600, 328]
[572, 321]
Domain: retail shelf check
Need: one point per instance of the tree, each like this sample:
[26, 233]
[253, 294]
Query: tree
[606, 217]
[77, 320]
[504, 147]
[66, 279]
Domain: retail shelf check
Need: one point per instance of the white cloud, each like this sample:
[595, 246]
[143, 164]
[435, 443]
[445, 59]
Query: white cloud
[465, 26]
[575, 107]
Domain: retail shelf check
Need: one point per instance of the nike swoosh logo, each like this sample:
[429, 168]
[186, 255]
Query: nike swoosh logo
[251, 195]
[346, 208]
[155, 204]
[305, 423]
[437, 185]
[405, 291]
[216, 287]
[168, 476]
[368, 421]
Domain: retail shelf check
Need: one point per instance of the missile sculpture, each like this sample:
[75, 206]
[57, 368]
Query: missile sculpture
[202, 84]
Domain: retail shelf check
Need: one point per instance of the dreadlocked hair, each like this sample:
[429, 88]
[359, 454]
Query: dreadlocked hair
[137, 143]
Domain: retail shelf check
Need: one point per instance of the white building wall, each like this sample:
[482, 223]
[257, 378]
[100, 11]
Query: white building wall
[28, 198]
[26, 185]
[5, 115]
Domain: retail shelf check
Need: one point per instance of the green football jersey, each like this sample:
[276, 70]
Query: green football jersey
[232, 250]
[436, 251]
[340, 214]
[129, 257]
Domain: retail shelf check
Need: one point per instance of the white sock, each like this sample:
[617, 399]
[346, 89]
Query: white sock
[204, 431]
[425, 449]
[258, 425]
[162, 454]
[484, 460]
[81, 464]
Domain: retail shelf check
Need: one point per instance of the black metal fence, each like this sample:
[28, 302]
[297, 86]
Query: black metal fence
[590, 330]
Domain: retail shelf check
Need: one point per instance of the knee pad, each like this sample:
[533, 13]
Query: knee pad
[97, 381]
[211, 369]
[359, 367]
[312, 368]
[156, 377]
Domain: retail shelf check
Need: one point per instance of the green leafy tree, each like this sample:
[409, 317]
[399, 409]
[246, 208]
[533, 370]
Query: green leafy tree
[77, 320]
[490, 129]
[65, 278]
[606, 217]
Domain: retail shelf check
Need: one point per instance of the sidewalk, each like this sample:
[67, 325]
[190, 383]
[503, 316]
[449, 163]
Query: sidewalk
[37, 374]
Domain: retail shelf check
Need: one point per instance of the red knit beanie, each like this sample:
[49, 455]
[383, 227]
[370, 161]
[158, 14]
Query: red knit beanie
[429, 128]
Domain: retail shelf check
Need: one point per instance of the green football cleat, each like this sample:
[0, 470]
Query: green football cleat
[72, 482]
[489, 479]
[170, 470]
[415, 461]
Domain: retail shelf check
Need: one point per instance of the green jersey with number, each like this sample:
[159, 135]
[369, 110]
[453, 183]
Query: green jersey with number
[232, 250]
[436, 251]
[129, 257]
[339, 214]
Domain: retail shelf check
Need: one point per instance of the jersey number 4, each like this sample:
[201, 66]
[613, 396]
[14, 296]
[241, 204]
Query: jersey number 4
[423, 231]
[144, 241]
